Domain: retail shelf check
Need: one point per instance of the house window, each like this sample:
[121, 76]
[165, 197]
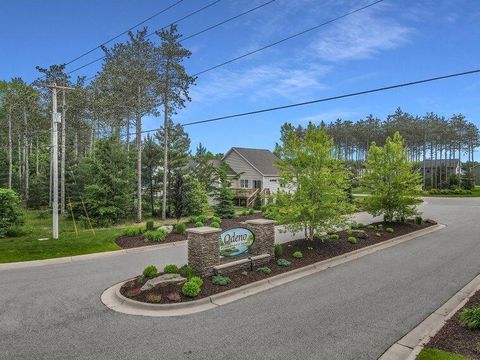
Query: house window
[257, 184]
[244, 183]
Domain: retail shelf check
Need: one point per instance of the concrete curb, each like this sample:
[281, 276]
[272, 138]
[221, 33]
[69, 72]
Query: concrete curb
[69, 259]
[117, 302]
[409, 346]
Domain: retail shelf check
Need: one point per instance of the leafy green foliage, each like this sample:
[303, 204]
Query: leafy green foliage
[9, 211]
[389, 230]
[188, 272]
[196, 279]
[215, 225]
[157, 235]
[470, 317]
[224, 195]
[378, 234]
[360, 234]
[352, 240]
[197, 198]
[149, 225]
[191, 289]
[278, 250]
[180, 228]
[333, 237]
[198, 224]
[418, 220]
[132, 231]
[319, 201]
[264, 270]
[221, 280]
[216, 219]
[202, 218]
[435, 354]
[283, 262]
[150, 271]
[391, 180]
[297, 255]
[170, 269]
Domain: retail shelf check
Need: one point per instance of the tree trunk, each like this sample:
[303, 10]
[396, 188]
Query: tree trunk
[10, 148]
[37, 157]
[25, 154]
[62, 160]
[165, 158]
[128, 134]
[75, 145]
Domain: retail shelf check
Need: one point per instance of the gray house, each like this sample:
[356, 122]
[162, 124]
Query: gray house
[256, 172]
[449, 166]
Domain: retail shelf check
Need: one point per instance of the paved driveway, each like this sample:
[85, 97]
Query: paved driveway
[354, 311]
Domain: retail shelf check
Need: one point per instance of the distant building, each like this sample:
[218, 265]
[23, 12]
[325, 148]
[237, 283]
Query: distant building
[476, 174]
[451, 166]
[256, 172]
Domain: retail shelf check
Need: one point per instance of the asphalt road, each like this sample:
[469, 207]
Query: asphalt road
[354, 311]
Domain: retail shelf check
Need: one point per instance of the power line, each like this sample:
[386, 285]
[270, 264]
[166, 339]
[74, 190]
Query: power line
[124, 32]
[289, 37]
[150, 34]
[353, 94]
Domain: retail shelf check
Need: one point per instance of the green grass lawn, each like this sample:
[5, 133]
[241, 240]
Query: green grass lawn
[38, 226]
[435, 354]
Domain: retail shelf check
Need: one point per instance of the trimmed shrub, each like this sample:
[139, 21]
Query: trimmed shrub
[132, 231]
[283, 262]
[360, 234]
[221, 280]
[157, 235]
[216, 219]
[352, 240]
[196, 279]
[297, 255]
[202, 218]
[150, 271]
[193, 219]
[333, 237]
[378, 234]
[198, 224]
[180, 228]
[191, 289]
[188, 272]
[170, 269]
[278, 250]
[265, 270]
[9, 211]
[150, 225]
[370, 227]
[251, 212]
[390, 230]
[215, 225]
[470, 317]
[154, 298]
[418, 220]
[244, 273]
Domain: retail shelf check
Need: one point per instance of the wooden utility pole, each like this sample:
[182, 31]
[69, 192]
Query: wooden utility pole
[56, 119]
[62, 161]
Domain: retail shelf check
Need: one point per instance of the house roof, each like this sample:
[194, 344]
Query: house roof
[262, 160]
[435, 163]
[216, 164]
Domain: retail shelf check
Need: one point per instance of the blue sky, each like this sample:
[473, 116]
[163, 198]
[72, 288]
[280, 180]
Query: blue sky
[392, 42]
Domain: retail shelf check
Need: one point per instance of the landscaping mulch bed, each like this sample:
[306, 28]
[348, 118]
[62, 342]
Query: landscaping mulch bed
[312, 250]
[128, 242]
[456, 338]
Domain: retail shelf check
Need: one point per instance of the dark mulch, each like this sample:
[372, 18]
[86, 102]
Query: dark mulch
[313, 251]
[456, 338]
[128, 242]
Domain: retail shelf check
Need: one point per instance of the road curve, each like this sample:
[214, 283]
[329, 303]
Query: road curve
[354, 311]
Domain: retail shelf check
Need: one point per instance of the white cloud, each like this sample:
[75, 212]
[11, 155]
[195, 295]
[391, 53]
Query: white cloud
[362, 36]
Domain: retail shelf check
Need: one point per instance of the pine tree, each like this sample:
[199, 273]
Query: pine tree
[224, 195]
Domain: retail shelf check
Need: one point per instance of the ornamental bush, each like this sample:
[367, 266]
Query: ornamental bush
[221, 280]
[360, 234]
[378, 234]
[278, 250]
[157, 235]
[215, 224]
[334, 237]
[170, 269]
[297, 255]
[265, 270]
[132, 231]
[216, 219]
[470, 317]
[352, 240]
[188, 272]
[180, 228]
[150, 271]
[251, 212]
[198, 224]
[390, 230]
[202, 218]
[418, 220]
[9, 212]
[150, 225]
[193, 219]
[196, 279]
[191, 289]
[283, 262]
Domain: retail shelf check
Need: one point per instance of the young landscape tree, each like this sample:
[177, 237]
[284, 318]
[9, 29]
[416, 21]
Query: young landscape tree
[223, 194]
[314, 199]
[391, 180]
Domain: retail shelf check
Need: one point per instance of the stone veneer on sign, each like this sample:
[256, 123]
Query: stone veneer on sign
[204, 248]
